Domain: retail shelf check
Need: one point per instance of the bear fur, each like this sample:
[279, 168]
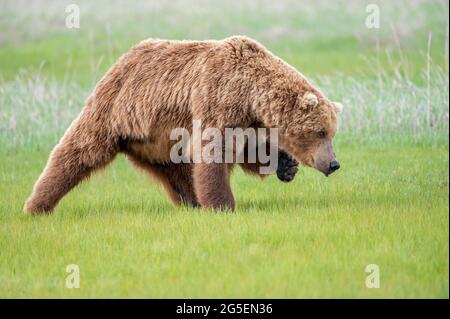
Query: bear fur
[160, 85]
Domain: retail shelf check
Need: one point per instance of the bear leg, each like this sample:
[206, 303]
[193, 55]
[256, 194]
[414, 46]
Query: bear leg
[286, 170]
[287, 166]
[79, 153]
[181, 179]
[212, 186]
[175, 178]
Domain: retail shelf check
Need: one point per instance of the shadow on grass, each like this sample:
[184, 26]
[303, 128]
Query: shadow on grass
[84, 209]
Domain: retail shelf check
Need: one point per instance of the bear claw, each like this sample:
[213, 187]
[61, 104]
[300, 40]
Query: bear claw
[287, 167]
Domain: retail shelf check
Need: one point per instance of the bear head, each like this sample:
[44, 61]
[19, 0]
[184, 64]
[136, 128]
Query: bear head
[305, 118]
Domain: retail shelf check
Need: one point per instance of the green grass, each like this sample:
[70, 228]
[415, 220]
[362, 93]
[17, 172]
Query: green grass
[311, 238]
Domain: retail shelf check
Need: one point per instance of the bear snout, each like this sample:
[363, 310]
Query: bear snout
[334, 166]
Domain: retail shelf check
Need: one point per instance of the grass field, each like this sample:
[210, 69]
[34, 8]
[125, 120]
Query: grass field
[311, 238]
[387, 205]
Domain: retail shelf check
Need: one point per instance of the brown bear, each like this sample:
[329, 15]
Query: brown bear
[160, 85]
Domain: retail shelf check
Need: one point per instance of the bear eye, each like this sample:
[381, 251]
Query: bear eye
[322, 134]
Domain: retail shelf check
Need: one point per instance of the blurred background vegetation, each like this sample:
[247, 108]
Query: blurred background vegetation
[393, 80]
[318, 37]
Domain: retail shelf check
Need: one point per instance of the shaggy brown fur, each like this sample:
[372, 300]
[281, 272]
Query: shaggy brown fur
[163, 84]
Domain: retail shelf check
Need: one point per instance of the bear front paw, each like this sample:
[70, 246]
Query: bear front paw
[287, 167]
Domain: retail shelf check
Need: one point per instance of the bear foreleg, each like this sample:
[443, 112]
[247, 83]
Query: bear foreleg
[212, 186]
[286, 169]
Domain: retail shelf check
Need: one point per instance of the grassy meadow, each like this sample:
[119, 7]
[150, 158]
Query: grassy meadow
[312, 238]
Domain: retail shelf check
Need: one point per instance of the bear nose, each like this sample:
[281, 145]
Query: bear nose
[334, 166]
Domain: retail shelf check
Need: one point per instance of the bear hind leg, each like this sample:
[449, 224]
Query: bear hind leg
[76, 157]
[176, 179]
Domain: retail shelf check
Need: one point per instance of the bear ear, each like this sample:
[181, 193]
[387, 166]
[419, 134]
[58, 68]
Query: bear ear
[338, 107]
[310, 100]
